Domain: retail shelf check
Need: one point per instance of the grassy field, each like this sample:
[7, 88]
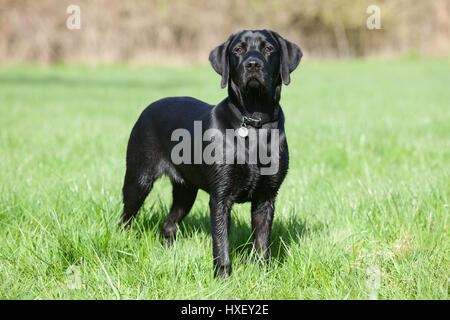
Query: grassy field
[363, 212]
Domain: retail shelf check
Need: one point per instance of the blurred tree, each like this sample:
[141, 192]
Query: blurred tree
[184, 31]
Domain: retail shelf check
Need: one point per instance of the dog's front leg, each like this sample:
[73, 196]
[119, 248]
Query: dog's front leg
[220, 228]
[262, 217]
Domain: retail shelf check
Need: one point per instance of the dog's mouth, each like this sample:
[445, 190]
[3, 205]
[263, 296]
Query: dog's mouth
[253, 82]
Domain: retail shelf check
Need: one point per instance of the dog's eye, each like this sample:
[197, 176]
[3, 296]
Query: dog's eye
[268, 49]
[239, 50]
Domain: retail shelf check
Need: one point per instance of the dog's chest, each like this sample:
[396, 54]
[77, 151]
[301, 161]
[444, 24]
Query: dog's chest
[248, 183]
[262, 171]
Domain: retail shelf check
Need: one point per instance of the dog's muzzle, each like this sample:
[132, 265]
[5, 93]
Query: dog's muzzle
[253, 75]
[253, 64]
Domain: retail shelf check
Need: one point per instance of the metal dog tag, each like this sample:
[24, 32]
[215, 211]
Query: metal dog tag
[243, 132]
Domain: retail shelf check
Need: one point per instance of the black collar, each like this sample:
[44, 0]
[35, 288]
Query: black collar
[257, 122]
[247, 119]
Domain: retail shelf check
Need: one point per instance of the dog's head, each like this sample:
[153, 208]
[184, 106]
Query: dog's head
[255, 59]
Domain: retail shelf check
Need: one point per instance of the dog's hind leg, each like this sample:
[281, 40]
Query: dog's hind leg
[184, 195]
[135, 189]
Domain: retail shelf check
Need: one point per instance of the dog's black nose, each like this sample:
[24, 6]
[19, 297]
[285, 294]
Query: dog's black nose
[253, 64]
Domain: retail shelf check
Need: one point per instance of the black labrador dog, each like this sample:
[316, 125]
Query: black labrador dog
[253, 63]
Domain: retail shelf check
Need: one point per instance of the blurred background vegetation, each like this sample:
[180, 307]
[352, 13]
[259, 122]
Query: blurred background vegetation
[169, 31]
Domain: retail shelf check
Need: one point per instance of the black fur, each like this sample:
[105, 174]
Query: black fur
[253, 64]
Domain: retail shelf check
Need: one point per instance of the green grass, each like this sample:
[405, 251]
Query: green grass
[362, 213]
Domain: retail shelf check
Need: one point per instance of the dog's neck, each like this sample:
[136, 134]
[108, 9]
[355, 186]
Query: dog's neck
[257, 104]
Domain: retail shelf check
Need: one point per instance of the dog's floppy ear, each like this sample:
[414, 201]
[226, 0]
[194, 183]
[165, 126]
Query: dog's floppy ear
[219, 60]
[291, 55]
